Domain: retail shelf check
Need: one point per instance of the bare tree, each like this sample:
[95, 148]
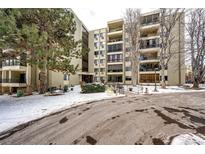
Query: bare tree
[169, 17]
[132, 30]
[196, 44]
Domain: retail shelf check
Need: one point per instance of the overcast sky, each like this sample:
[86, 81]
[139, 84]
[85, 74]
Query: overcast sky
[95, 18]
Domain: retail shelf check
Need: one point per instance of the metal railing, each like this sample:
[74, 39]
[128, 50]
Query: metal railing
[114, 60]
[149, 46]
[13, 62]
[148, 58]
[151, 22]
[15, 80]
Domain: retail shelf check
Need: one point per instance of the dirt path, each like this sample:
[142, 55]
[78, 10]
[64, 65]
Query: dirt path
[147, 119]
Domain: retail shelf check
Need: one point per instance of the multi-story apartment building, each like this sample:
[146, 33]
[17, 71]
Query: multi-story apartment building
[15, 73]
[108, 60]
[118, 66]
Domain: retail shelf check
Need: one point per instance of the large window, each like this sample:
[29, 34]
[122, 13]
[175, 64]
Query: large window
[149, 78]
[115, 58]
[115, 68]
[115, 48]
[114, 78]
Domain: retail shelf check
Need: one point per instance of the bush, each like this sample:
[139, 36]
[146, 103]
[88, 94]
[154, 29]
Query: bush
[92, 88]
[65, 88]
[19, 93]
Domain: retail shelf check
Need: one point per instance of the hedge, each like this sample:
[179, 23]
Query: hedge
[92, 88]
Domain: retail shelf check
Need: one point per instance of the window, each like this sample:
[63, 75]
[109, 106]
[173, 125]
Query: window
[96, 70]
[102, 53]
[127, 68]
[101, 61]
[96, 53]
[165, 77]
[128, 78]
[102, 70]
[101, 36]
[101, 44]
[66, 77]
[127, 58]
[115, 58]
[96, 36]
[96, 62]
[96, 44]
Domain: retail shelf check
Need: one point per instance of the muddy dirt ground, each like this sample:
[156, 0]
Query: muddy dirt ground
[130, 120]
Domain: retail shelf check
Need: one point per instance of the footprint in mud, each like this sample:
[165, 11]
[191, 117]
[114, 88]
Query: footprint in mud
[113, 101]
[52, 143]
[129, 101]
[157, 141]
[115, 117]
[79, 113]
[141, 110]
[91, 140]
[86, 109]
[63, 120]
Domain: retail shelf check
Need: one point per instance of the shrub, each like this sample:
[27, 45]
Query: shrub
[65, 88]
[19, 93]
[92, 88]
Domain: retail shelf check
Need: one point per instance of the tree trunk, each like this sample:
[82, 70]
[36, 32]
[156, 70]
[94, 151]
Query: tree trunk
[163, 78]
[43, 81]
[195, 84]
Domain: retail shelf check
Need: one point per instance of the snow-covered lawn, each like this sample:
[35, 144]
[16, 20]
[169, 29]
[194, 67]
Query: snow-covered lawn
[15, 111]
[169, 89]
[188, 139]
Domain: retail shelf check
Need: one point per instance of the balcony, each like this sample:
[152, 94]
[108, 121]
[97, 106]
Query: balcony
[115, 41]
[115, 48]
[13, 64]
[115, 32]
[149, 46]
[14, 82]
[149, 59]
[115, 78]
[150, 67]
[114, 60]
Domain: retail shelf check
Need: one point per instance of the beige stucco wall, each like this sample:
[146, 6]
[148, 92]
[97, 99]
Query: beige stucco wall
[176, 64]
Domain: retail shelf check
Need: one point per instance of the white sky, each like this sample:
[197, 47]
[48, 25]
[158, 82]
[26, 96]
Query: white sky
[95, 18]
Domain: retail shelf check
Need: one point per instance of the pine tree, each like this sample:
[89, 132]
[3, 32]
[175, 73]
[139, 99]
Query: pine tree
[47, 35]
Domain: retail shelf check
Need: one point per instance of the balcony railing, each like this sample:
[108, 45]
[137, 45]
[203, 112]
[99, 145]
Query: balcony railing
[149, 46]
[115, 48]
[151, 22]
[115, 30]
[15, 80]
[114, 40]
[13, 62]
[142, 69]
[148, 58]
[115, 70]
[114, 60]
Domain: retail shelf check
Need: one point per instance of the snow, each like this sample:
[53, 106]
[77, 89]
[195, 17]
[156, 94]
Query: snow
[15, 111]
[168, 89]
[188, 139]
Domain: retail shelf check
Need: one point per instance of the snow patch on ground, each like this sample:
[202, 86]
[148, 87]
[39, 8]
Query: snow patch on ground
[15, 111]
[188, 139]
[169, 89]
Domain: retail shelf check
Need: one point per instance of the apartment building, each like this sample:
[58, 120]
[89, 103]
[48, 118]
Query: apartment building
[118, 64]
[15, 73]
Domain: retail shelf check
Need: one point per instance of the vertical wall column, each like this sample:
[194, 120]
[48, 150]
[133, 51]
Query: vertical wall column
[10, 89]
